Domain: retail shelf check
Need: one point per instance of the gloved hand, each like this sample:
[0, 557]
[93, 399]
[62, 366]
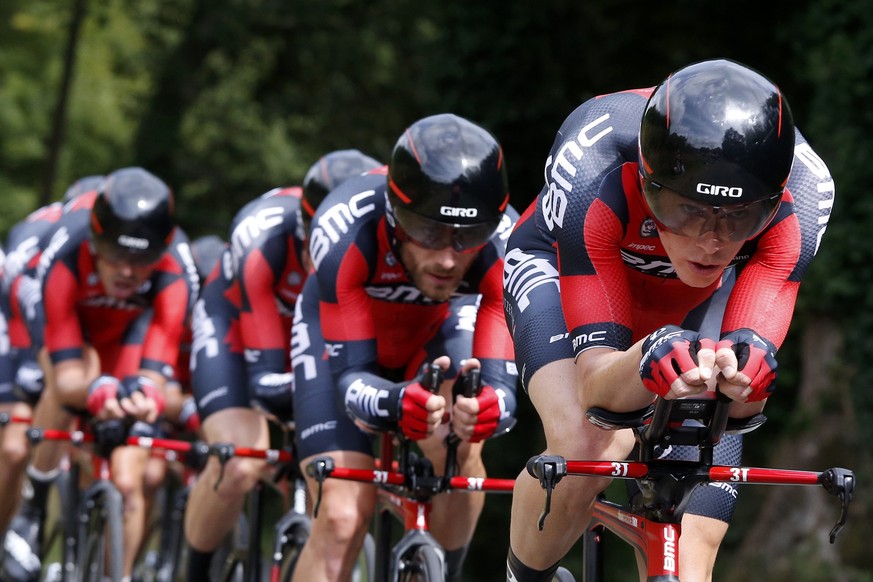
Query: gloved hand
[668, 353]
[487, 418]
[103, 389]
[189, 416]
[419, 415]
[756, 360]
[29, 382]
[132, 385]
[275, 392]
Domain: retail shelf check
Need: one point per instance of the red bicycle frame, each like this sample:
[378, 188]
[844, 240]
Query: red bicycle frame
[653, 525]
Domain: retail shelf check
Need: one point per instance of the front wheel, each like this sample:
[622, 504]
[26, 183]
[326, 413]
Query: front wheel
[421, 564]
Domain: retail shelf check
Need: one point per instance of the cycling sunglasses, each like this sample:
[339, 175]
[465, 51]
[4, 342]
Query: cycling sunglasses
[693, 218]
[433, 235]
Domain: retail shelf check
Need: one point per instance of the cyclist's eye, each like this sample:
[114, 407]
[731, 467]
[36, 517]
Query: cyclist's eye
[692, 211]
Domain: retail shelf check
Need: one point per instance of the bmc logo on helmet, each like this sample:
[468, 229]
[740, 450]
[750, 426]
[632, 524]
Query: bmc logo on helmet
[463, 212]
[133, 242]
[719, 190]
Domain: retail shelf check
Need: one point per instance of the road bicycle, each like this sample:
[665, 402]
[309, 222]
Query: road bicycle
[650, 521]
[407, 485]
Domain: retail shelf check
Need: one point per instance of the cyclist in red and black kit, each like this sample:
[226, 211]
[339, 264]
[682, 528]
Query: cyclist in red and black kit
[408, 271]
[23, 304]
[242, 333]
[118, 284]
[672, 234]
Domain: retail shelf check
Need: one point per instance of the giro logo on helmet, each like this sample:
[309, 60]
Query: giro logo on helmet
[133, 242]
[462, 212]
[719, 190]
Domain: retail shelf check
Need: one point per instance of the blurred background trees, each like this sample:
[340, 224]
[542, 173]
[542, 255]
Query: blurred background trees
[225, 99]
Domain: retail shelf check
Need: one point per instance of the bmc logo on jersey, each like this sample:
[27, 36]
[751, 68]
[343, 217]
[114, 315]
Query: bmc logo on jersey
[461, 212]
[727, 191]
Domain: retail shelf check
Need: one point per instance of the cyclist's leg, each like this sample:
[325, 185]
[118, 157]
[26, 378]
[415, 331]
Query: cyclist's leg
[323, 428]
[212, 512]
[14, 453]
[344, 515]
[544, 356]
[128, 473]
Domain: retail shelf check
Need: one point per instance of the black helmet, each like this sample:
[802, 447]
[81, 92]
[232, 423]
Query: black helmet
[132, 218]
[206, 252]
[330, 171]
[721, 134]
[81, 186]
[447, 183]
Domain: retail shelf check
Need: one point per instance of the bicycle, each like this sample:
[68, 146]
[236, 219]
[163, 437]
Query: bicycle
[407, 486]
[650, 522]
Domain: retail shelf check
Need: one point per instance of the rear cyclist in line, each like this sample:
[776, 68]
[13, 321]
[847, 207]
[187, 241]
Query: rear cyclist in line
[22, 302]
[401, 263]
[242, 330]
[118, 283]
[674, 229]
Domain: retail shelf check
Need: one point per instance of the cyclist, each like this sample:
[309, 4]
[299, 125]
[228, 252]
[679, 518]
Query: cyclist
[122, 283]
[242, 330]
[402, 258]
[665, 229]
[22, 303]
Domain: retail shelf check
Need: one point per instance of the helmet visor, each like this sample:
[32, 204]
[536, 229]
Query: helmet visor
[693, 218]
[115, 253]
[430, 234]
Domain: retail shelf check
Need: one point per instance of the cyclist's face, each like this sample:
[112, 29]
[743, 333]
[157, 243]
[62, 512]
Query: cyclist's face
[699, 260]
[436, 273]
[121, 278]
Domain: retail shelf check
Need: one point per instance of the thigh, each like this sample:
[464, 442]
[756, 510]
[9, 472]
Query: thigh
[532, 301]
[322, 423]
[219, 379]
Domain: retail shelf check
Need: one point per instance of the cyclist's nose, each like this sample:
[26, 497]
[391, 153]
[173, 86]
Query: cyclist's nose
[710, 242]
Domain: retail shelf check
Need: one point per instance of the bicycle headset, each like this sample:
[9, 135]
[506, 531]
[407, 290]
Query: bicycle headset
[447, 184]
[716, 145]
[132, 217]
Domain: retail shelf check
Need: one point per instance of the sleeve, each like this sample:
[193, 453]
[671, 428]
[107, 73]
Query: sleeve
[177, 286]
[766, 289]
[63, 330]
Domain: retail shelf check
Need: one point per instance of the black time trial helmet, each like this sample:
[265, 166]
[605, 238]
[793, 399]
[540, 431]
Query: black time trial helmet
[447, 184]
[330, 171]
[81, 186]
[132, 217]
[206, 252]
[716, 145]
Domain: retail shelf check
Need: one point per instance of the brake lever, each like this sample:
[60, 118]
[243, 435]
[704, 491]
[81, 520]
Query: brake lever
[223, 452]
[549, 470]
[839, 483]
[319, 469]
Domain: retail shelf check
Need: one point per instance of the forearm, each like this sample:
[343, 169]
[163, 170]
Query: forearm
[610, 379]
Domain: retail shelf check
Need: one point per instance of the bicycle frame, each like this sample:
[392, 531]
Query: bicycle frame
[653, 525]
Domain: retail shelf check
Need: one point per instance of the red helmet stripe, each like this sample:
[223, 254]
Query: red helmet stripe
[412, 145]
[406, 199]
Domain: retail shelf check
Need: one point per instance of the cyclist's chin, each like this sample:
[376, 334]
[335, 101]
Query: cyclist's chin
[699, 276]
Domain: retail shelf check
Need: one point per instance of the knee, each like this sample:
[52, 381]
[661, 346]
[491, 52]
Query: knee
[129, 484]
[238, 477]
[341, 520]
[15, 452]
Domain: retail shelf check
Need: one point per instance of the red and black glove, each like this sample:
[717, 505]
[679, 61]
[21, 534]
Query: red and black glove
[756, 357]
[103, 388]
[147, 388]
[413, 411]
[489, 414]
[668, 353]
